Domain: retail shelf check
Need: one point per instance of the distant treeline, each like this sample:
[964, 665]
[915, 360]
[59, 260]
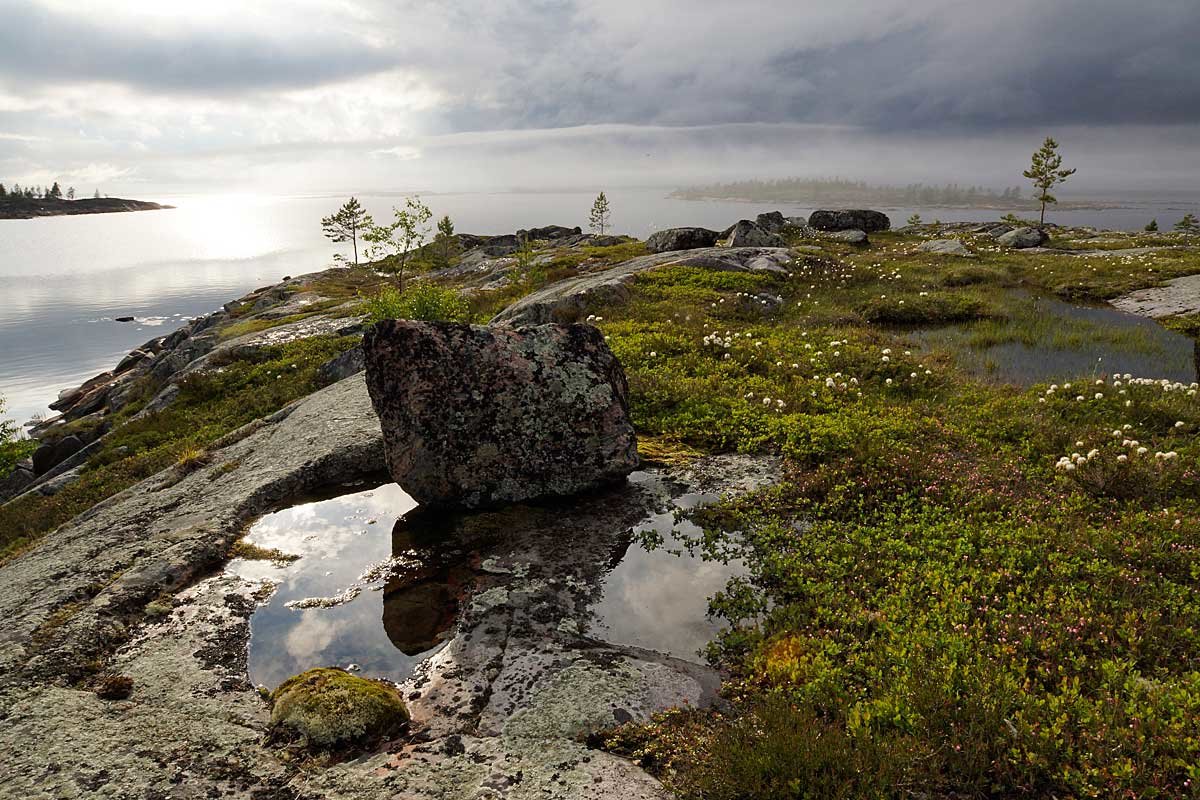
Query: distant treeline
[55, 192]
[834, 191]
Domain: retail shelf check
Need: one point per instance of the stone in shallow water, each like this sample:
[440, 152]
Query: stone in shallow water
[475, 416]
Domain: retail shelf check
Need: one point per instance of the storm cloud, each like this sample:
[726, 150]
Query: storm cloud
[385, 88]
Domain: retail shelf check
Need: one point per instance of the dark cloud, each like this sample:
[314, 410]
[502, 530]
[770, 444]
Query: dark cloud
[40, 46]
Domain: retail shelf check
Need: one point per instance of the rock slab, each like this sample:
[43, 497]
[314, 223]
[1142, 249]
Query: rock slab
[946, 247]
[477, 416]
[1023, 238]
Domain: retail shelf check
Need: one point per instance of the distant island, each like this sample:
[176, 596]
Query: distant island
[21, 207]
[822, 192]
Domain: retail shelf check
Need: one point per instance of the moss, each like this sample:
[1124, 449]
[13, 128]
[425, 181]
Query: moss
[330, 709]
[252, 552]
[657, 450]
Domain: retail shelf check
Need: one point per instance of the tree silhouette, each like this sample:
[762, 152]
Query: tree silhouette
[1046, 172]
[346, 224]
[600, 215]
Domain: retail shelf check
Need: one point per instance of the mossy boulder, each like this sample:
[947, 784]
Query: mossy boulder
[329, 709]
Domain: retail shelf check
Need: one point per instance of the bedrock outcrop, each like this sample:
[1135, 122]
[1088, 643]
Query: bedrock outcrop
[476, 416]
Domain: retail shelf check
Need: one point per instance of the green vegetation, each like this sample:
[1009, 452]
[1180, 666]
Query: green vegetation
[395, 246]
[421, 301]
[1046, 171]
[957, 589]
[12, 449]
[1188, 224]
[328, 709]
[210, 404]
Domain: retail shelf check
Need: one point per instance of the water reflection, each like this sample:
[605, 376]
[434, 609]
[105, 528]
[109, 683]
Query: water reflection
[657, 596]
[1089, 342]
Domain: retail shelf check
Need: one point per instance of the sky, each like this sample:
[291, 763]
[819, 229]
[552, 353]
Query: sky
[299, 96]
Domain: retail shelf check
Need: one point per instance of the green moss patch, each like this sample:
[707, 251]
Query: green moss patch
[330, 709]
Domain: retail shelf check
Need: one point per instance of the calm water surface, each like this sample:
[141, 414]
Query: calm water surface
[64, 279]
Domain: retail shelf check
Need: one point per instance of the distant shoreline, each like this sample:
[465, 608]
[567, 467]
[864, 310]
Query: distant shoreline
[32, 208]
[1062, 205]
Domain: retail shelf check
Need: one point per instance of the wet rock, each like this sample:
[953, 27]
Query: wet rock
[850, 219]
[476, 416]
[681, 239]
[855, 237]
[568, 299]
[1023, 238]
[549, 232]
[124, 319]
[329, 708]
[748, 234]
[946, 247]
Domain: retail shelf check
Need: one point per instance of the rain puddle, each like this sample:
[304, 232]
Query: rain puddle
[657, 596]
[377, 588]
[1049, 340]
[357, 597]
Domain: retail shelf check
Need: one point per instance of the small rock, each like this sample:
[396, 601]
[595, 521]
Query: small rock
[51, 453]
[946, 247]
[341, 367]
[124, 319]
[849, 237]
[329, 708]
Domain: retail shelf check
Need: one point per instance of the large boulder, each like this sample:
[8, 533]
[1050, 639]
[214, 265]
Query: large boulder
[748, 234]
[681, 239]
[477, 416]
[1023, 238]
[851, 219]
[51, 453]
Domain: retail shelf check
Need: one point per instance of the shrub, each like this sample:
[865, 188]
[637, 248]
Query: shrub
[423, 301]
[12, 449]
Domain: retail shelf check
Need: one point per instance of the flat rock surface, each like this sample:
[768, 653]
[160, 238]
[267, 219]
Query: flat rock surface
[567, 300]
[1178, 296]
[497, 709]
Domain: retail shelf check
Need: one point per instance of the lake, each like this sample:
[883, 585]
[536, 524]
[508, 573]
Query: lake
[63, 280]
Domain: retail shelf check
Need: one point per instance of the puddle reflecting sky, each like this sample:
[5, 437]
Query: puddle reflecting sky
[1112, 341]
[657, 596]
[337, 540]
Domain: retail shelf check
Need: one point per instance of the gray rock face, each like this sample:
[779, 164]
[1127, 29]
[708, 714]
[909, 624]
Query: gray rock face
[568, 300]
[1178, 296]
[15, 482]
[475, 416]
[850, 219]
[946, 247]
[681, 239]
[772, 221]
[748, 234]
[849, 237]
[341, 367]
[1023, 238]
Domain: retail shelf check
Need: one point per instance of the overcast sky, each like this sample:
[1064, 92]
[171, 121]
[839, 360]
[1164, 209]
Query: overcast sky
[443, 95]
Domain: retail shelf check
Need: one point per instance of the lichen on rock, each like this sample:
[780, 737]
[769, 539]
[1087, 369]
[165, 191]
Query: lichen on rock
[328, 708]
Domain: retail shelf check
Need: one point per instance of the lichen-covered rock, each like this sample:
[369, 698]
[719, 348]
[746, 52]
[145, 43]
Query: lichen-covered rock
[329, 708]
[748, 234]
[681, 239]
[851, 219]
[856, 237]
[1023, 238]
[478, 416]
[772, 221]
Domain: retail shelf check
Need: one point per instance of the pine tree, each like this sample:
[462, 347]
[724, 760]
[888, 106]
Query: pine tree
[1188, 224]
[600, 215]
[1151, 226]
[1046, 172]
[55, 192]
[3, 191]
[446, 245]
[71, 193]
[96, 196]
[346, 225]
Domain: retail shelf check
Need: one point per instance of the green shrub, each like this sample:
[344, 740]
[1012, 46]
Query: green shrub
[12, 449]
[421, 301]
